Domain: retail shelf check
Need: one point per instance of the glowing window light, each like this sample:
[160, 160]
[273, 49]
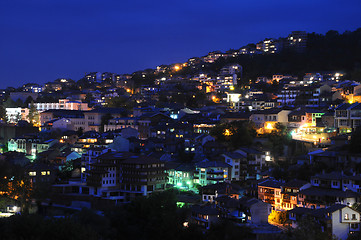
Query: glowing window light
[269, 126]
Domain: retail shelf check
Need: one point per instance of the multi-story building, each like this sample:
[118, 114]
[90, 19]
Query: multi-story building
[297, 41]
[270, 45]
[269, 191]
[212, 57]
[331, 188]
[290, 193]
[181, 175]
[85, 120]
[347, 117]
[64, 104]
[15, 114]
[337, 221]
[141, 176]
[211, 172]
[32, 87]
[30, 144]
[231, 69]
[266, 119]
[282, 196]
[226, 82]
[238, 163]
[122, 176]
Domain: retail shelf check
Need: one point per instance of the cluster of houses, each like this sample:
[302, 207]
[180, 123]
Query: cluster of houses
[97, 156]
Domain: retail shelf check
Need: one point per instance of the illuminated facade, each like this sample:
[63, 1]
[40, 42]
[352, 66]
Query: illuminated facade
[211, 172]
[347, 117]
[181, 176]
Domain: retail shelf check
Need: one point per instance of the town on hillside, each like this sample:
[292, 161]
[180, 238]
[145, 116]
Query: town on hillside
[262, 142]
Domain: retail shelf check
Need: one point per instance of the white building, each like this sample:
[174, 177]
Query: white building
[65, 104]
[16, 114]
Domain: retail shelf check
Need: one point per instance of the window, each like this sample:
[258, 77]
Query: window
[354, 217]
[354, 225]
[32, 173]
[43, 173]
[335, 183]
[346, 216]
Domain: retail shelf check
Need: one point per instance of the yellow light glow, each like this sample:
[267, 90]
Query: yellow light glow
[227, 132]
[269, 126]
[215, 99]
[231, 88]
[176, 67]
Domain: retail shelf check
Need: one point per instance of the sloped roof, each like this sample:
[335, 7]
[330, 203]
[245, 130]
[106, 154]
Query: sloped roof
[234, 155]
[316, 191]
[295, 183]
[208, 164]
[271, 183]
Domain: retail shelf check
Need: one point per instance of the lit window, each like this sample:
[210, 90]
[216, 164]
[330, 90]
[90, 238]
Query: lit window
[32, 173]
[346, 216]
[43, 173]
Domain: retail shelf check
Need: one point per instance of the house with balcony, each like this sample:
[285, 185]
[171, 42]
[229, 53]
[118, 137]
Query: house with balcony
[347, 117]
[211, 193]
[269, 191]
[289, 192]
[238, 164]
[104, 176]
[141, 176]
[211, 172]
[256, 160]
[331, 188]
[266, 119]
[180, 175]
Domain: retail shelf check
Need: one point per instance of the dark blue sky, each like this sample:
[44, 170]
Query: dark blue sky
[41, 41]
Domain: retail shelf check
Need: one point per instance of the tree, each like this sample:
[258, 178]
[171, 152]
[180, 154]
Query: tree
[236, 133]
[105, 120]
[119, 102]
[277, 139]
[229, 231]
[9, 103]
[355, 143]
[28, 101]
[3, 115]
[33, 115]
[278, 217]
[308, 228]
[89, 98]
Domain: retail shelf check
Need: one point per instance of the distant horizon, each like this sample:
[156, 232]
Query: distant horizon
[43, 41]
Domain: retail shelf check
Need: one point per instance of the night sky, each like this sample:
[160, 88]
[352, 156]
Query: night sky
[41, 41]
